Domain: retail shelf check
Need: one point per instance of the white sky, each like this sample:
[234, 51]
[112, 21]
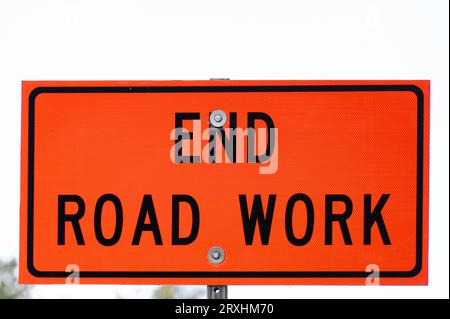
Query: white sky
[156, 40]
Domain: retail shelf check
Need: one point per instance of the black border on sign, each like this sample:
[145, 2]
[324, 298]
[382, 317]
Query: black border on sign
[234, 89]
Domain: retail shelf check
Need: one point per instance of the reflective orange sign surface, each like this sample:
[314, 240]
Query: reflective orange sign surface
[293, 182]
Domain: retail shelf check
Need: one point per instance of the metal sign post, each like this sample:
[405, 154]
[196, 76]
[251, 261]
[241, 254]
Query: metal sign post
[217, 292]
[216, 254]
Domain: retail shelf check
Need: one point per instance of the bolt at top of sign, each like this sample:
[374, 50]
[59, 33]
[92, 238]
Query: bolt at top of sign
[218, 118]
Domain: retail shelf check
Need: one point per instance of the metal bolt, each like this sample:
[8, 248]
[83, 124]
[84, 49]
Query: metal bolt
[218, 118]
[216, 255]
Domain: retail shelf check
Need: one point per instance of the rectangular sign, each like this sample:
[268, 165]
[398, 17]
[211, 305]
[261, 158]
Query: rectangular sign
[225, 182]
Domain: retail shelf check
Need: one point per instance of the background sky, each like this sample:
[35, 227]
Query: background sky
[244, 39]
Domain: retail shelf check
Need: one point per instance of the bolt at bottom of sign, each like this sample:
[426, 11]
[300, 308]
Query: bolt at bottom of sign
[216, 255]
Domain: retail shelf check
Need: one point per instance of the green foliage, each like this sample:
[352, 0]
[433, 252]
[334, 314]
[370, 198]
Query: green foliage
[165, 292]
[177, 292]
[9, 288]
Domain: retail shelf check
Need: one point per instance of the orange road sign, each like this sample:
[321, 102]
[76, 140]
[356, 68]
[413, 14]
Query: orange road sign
[225, 182]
